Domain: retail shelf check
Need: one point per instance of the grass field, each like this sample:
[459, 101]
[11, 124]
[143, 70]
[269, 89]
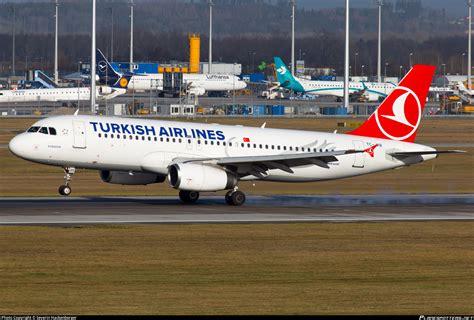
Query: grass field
[447, 174]
[323, 268]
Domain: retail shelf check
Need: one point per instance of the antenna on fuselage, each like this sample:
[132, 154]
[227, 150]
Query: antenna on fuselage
[263, 125]
[76, 113]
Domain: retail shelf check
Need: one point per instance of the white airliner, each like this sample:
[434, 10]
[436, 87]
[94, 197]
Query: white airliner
[58, 94]
[366, 91]
[197, 84]
[369, 91]
[211, 157]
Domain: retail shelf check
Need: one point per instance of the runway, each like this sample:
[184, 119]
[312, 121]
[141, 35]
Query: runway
[258, 209]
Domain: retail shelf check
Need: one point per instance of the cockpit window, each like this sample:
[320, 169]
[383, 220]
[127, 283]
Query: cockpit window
[52, 131]
[43, 130]
[33, 129]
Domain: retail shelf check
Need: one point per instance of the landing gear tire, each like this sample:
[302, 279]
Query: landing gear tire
[189, 196]
[235, 198]
[65, 190]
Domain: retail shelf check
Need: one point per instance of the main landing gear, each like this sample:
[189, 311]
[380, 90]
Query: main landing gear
[235, 197]
[189, 196]
[232, 198]
[65, 189]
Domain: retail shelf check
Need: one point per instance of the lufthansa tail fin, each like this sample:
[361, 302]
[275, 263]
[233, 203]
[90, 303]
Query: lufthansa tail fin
[399, 115]
[107, 75]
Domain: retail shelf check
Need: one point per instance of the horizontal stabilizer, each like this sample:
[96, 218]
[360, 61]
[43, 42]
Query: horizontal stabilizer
[420, 153]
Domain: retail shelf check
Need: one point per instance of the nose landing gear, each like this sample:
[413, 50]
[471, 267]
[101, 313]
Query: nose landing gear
[65, 189]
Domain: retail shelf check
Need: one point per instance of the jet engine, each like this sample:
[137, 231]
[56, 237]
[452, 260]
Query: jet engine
[130, 178]
[197, 91]
[200, 177]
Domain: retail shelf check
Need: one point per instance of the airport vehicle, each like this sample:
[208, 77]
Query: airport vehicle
[210, 157]
[366, 91]
[196, 84]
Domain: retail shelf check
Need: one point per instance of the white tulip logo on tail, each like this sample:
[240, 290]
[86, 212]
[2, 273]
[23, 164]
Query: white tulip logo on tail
[400, 125]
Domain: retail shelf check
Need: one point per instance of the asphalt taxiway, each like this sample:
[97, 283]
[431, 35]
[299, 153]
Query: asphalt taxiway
[257, 209]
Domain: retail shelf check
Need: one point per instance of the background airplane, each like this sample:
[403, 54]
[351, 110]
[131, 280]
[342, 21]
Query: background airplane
[370, 91]
[197, 84]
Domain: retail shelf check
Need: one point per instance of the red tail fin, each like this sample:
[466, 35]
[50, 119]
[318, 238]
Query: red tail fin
[398, 117]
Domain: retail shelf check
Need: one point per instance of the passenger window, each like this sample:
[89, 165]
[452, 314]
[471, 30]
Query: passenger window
[44, 130]
[161, 139]
[174, 140]
[100, 135]
[248, 145]
[218, 143]
[205, 141]
[242, 145]
[52, 131]
[105, 135]
[223, 143]
[278, 147]
[179, 140]
[284, 148]
[112, 135]
[189, 141]
[296, 148]
[230, 144]
[136, 137]
[131, 137]
[143, 138]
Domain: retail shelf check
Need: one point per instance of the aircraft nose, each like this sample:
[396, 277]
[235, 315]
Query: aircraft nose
[18, 146]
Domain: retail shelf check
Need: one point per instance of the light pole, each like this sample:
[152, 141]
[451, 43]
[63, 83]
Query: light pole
[253, 62]
[346, 61]
[293, 4]
[131, 35]
[210, 36]
[462, 62]
[362, 67]
[379, 49]
[56, 75]
[409, 57]
[400, 73]
[92, 74]
[112, 35]
[385, 73]
[444, 74]
[13, 37]
[355, 63]
[233, 87]
[469, 4]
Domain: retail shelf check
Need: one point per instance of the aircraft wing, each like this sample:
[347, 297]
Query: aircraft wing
[259, 165]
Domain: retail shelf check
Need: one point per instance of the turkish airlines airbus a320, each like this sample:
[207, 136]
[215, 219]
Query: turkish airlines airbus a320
[207, 157]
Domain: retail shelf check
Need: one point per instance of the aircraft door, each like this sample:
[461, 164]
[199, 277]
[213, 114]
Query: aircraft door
[79, 134]
[359, 158]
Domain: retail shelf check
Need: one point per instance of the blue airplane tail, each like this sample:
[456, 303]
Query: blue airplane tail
[285, 78]
[105, 71]
[107, 74]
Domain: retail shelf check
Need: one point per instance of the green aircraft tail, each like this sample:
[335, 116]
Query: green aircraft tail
[285, 78]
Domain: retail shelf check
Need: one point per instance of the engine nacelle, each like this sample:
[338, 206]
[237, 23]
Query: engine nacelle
[130, 178]
[371, 97]
[200, 177]
[197, 91]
